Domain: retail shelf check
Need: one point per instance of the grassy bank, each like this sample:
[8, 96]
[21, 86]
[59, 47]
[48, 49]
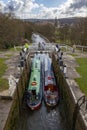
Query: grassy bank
[73, 54]
[3, 67]
[82, 70]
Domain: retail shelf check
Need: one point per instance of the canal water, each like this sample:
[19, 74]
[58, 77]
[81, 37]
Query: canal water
[42, 119]
[37, 38]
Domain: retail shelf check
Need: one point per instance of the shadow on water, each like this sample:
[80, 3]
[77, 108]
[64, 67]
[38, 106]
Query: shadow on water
[42, 119]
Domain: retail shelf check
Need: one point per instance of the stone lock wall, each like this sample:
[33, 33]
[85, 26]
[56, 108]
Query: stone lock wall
[64, 93]
[14, 114]
[66, 98]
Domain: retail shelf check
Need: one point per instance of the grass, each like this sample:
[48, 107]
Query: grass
[3, 67]
[8, 55]
[63, 49]
[3, 84]
[10, 49]
[72, 54]
[15, 49]
[82, 70]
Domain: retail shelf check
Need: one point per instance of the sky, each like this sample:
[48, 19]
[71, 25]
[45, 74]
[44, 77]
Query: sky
[44, 9]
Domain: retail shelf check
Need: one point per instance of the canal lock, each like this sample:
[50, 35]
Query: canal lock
[53, 116]
[44, 118]
[67, 102]
[66, 116]
[21, 118]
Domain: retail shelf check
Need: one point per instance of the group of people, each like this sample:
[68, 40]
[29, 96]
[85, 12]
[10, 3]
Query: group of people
[41, 45]
[60, 60]
[23, 54]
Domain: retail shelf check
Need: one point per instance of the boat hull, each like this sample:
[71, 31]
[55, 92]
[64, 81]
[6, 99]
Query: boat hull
[51, 105]
[34, 91]
[36, 104]
[50, 89]
[34, 107]
[51, 98]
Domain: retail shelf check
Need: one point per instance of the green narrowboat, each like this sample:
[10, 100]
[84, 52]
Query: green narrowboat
[34, 88]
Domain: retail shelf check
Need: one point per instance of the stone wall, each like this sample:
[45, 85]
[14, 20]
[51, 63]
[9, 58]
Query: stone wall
[15, 109]
[73, 115]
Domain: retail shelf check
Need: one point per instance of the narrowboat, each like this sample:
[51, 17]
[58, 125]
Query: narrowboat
[51, 95]
[34, 97]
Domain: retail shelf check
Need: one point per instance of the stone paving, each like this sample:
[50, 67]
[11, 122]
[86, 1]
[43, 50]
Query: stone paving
[71, 64]
[11, 63]
[5, 103]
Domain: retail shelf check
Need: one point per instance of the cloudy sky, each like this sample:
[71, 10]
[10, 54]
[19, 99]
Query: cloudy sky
[45, 8]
